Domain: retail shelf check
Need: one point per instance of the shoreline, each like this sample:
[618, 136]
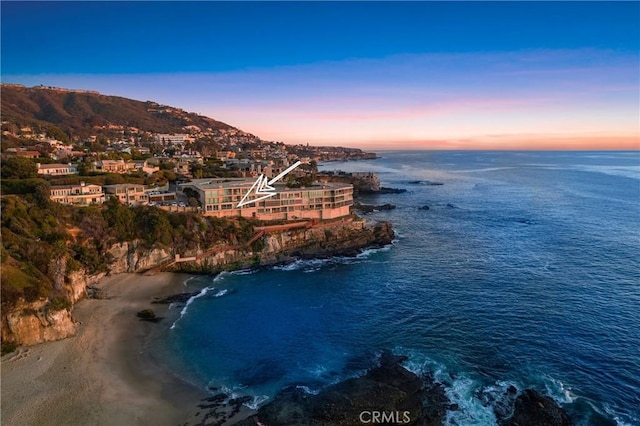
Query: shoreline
[105, 374]
[112, 358]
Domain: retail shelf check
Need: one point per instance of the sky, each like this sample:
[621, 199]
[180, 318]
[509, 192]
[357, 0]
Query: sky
[375, 75]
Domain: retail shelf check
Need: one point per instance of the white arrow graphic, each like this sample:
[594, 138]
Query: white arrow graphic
[263, 187]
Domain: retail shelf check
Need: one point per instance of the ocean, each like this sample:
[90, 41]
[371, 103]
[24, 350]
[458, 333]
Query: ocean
[524, 271]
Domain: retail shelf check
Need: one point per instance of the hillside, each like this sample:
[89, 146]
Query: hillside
[79, 112]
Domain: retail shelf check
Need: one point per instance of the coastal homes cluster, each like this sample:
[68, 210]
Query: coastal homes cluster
[83, 194]
[220, 198]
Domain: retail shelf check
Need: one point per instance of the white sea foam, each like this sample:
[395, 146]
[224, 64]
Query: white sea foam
[470, 410]
[187, 280]
[557, 390]
[233, 393]
[368, 252]
[308, 390]
[303, 264]
[244, 272]
[313, 265]
[475, 403]
[203, 292]
[256, 402]
[220, 276]
[220, 293]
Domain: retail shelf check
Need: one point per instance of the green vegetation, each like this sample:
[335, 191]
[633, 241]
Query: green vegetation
[57, 133]
[58, 304]
[19, 168]
[36, 233]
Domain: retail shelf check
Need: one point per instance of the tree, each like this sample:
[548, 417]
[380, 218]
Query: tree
[19, 168]
[83, 168]
[57, 133]
[169, 175]
[119, 218]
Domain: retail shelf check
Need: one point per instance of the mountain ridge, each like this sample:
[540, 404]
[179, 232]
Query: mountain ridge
[80, 112]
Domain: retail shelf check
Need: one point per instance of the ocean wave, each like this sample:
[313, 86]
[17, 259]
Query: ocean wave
[187, 280]
[202, 293]
[220, 276]
[244, 272]
[221, 293]
[302, 264]
[256, 402]
[463, 392]
[476, 402]
[307, 390]
[314, 265]
[235, 392]
[557, 390]
[369, 252]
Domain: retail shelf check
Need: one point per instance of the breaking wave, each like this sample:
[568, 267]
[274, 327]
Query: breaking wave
[202, 293]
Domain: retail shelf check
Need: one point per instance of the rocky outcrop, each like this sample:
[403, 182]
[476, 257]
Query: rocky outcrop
[132, 256]
[341, 239]
[401, 396]
[37, 322]
[48, 319]
[388, 390]
[533, 409]
[368, 208]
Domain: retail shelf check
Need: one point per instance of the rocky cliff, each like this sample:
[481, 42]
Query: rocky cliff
[341, 239]
[50, 319]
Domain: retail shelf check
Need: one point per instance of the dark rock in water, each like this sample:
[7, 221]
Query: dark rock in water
[423, 208]
[384, 190]
[533, 409]
[425, 182]
[176, 298]
[435, 403]
[146, 314]
[502, 404]
[388, 389]
[368, 208]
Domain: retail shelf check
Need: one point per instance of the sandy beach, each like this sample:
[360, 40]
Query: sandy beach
[104, 375]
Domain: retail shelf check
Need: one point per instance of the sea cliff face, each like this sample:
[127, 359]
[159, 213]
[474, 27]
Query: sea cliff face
[37, 322]
[131, 256]
[342, 239]
[50, 319]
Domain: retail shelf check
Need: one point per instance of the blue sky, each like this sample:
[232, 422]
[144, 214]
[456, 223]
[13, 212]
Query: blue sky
[371, 74]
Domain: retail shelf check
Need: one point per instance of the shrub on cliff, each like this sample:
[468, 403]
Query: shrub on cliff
[58, 304]
[8, 347]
